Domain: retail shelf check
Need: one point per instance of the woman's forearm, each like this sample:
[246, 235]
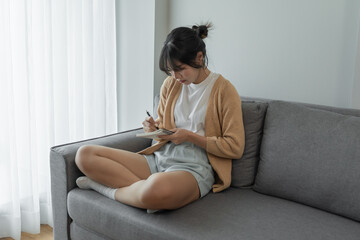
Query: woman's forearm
[197, 139]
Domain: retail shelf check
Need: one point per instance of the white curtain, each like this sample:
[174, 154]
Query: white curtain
[57, 85]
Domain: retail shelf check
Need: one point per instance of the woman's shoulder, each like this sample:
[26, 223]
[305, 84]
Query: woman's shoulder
[224, 91]
[170, 82]
[222, 83]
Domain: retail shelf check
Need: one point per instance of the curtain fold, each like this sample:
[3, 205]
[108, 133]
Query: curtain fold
[57, 85]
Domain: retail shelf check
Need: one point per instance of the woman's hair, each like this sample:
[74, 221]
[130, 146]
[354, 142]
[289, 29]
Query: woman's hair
[182, 45]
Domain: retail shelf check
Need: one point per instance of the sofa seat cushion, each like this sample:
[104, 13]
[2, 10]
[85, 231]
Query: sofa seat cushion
[232, 214]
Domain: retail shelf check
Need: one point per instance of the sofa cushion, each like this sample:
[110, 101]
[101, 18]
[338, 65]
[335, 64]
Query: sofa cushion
[244, 169]
[232, 214]
[311, 156]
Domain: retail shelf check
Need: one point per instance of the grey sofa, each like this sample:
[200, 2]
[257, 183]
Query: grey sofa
[299, 178]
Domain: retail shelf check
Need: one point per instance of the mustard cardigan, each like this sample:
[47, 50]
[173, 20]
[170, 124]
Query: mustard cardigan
[224, 127]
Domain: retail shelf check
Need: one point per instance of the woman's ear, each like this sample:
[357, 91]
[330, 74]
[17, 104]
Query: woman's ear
[200, 58]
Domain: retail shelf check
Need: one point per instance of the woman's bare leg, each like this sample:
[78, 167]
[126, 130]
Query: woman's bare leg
[112, 167]
[167, 190]
[130, 173]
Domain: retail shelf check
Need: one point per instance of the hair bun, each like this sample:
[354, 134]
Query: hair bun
[202, 30]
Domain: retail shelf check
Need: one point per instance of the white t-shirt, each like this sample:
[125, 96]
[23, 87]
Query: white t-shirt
[190, 108]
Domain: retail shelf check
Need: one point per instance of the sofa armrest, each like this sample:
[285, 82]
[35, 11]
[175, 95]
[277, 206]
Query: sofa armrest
[64, 172]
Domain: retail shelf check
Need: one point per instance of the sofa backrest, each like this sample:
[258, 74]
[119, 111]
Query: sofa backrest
[311, 154]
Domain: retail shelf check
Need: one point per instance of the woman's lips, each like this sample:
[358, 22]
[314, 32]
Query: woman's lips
[179, 80]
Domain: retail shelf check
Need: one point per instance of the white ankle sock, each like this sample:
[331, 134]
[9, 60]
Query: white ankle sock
[152, 211]
[87, 183]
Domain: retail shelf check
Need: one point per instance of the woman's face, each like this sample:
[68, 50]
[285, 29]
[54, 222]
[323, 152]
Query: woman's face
[187, 74]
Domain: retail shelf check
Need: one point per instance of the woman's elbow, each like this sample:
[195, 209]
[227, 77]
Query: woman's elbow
[238, 147]
[239, 151]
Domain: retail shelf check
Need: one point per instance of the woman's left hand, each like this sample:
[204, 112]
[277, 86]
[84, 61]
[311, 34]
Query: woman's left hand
[179, 136]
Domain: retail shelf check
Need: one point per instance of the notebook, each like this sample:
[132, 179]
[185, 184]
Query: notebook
[155, 134]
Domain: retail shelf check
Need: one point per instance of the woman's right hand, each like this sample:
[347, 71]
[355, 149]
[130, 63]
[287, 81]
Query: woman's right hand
[149, 125]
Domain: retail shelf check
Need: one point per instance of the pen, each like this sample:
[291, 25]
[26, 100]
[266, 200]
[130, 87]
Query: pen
[151, 116]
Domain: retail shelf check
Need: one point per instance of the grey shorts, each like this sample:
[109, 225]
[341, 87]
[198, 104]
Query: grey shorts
[184, 157]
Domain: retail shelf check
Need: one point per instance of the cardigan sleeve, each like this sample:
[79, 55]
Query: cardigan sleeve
[229, 141]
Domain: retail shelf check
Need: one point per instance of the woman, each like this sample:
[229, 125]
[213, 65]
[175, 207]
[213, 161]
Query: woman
[204, 111]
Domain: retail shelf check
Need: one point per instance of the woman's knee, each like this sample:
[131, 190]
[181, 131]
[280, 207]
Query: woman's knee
[156, 191]
[83, 157]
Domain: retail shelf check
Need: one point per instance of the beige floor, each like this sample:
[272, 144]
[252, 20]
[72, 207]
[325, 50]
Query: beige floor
[46, 233]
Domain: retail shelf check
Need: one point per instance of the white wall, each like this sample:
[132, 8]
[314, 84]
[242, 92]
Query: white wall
[135, 60]
[356, 87]
[280, 49]
[161, 31]
[307, 51]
